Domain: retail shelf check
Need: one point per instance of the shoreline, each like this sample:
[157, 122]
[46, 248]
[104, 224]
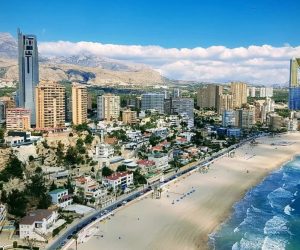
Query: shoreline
[189, 223]
[230, 213]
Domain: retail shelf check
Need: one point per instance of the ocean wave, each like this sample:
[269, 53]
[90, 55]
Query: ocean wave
[273, 244]
[276, 225]
[287, 210]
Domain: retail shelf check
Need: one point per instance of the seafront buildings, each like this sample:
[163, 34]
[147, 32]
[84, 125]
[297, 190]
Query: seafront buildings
[108, 107]
[207, 97]
[79, 104]
[28, 73]
[50, 106]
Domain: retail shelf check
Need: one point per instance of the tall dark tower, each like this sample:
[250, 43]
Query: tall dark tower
[28, 72]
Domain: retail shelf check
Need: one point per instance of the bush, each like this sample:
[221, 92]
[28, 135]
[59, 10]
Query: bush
[15, 244]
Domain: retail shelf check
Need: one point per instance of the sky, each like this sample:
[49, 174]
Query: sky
[203, 40]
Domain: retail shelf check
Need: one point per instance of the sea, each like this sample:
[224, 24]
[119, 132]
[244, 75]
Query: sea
[268, 217]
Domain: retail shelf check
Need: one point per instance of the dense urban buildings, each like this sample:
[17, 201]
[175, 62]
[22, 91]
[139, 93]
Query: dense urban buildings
[108, 107]
[50, 106]
[28, 72]
[18, 119]
[153, 101]
[225, 103]
[79, 104]
[294, 85]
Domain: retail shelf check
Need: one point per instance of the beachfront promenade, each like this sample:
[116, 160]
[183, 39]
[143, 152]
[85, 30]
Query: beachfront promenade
[64, 239]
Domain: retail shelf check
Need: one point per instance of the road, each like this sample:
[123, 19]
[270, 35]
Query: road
[74, 229]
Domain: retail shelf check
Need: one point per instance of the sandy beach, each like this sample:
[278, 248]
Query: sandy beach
[195, 205]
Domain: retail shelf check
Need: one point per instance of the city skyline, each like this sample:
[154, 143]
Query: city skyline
[211, 41]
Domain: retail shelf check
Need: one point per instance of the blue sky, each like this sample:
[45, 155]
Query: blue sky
[169, 23]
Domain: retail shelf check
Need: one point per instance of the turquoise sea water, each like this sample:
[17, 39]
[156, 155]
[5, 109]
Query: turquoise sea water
[268, 217]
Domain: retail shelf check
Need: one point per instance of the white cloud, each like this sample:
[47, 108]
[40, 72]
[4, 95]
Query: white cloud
[255, 64]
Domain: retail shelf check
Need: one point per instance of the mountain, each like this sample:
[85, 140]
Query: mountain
[89, 69]
[8, 46]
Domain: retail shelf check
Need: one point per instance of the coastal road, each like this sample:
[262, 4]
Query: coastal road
[62, 239]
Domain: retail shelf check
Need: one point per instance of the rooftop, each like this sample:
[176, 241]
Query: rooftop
[117, 175]
[57, 191]
[37, 215]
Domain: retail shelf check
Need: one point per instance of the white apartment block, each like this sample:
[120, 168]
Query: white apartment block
[104, 151]
[61, 197]
[119, 180]
[38, 224]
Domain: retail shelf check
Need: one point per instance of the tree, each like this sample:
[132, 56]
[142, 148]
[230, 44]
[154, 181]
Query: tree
[13, 169]
[45, 201]
[121, 168]
[36, 187]
[89, 139]
[31, 158]
[80, 146]
[106, 171]
[17, 203]
[69, 186]
[154, 140]
[53, 186]
[3, 196]
[138, 178]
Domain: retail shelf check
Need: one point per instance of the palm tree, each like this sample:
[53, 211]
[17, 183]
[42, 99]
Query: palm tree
[75, 237]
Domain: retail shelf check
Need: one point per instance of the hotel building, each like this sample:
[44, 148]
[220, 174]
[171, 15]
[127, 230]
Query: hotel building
[79, 104]
[17, 119]
[50, 106]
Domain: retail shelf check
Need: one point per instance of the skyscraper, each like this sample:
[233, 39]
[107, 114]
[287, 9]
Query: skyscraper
[79, 104]
[153, 101]
[50, 105]
[28, 72]
[225, 103]
[239, 93]
[208, 97]
[294, 86]
[108, 107]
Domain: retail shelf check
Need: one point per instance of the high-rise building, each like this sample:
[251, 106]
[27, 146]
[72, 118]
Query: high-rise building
[208, 97]
[225, 103]
[265, 92]
[176, 93]
[50, 105]
[17, 119]
[294, 86]
[129, 116]
[79, 104]
[244, 118]
[228, 118]
[2, 112]
[239, 93]
[89, 101]
[28, 72]
[153, 101]
[108, 107]
[251, 91]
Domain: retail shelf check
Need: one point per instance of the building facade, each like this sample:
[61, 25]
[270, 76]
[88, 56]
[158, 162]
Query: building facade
[50, 105]
[225, 103]
[61, 197]
[38, 225]
[228, 118]
[153, 101]
[17, 119]
[28, 72]
[108, 107]
[129, 117]
[208, 97]
[294, 84]
[119, 180]
[79, 104]
[239, 94]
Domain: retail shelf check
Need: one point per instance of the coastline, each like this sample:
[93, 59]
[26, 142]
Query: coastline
[188, 222]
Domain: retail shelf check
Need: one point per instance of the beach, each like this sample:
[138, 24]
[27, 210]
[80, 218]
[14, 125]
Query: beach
[195, 205]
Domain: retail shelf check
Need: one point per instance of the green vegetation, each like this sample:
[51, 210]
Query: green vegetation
[7, 91]
[280, 95]
[13, 169]
[138, 178]
[106, 171]
[17, 203]
[283, 112]
[121, 168]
